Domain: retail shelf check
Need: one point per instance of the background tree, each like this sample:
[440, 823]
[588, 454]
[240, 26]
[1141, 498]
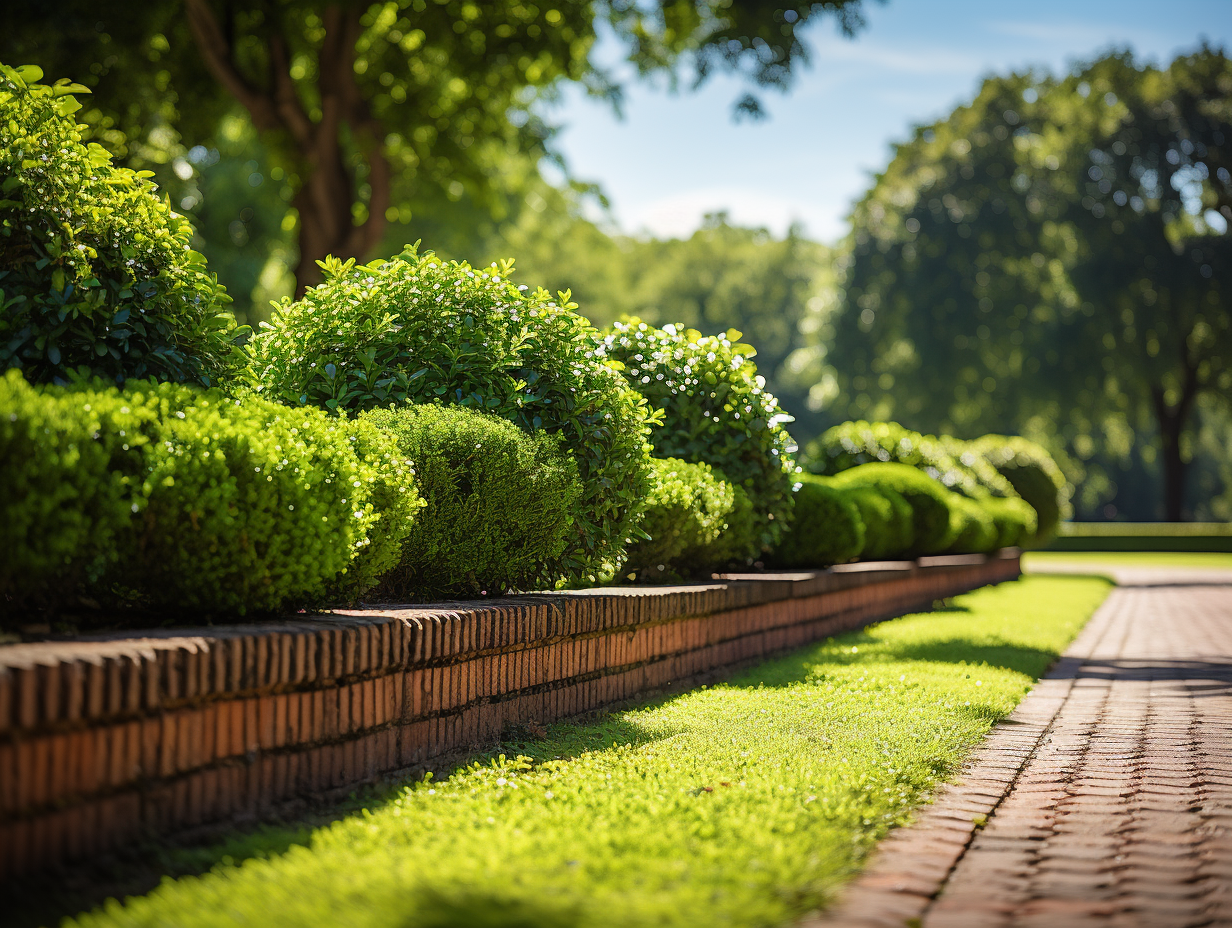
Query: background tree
[1051, 259]
[363, 106]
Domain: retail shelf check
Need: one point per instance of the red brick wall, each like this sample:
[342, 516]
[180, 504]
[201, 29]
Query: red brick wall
[105, 739]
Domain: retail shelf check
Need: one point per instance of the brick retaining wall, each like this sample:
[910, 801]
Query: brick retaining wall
[105, 739]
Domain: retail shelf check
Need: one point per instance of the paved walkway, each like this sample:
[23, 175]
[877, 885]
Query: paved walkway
[1105, 799]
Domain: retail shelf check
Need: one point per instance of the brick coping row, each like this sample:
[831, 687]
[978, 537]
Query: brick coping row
[108, 738]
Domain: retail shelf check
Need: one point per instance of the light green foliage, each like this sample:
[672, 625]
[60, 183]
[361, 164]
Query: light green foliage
[1035, 477]
[946, 459]
[62, 506]
[742, 804]
[96, 273]
[171, 496]
[888, 524]
[931, 504]
[252, 506]
[715, 409]
[690, 512]
[825, 529]
[973, 527]
[500, 506]
[1014, 518]
[418, 329]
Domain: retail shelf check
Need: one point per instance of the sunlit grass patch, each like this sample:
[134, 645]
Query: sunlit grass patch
[744, 803]
[1041, 560]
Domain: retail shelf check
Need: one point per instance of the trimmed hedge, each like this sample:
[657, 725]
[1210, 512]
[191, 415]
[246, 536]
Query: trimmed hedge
[1014, 518]
[851, 444]
[694, 520]
[887, 518]
[501, 504]
[416, 329]
[1035, 477]
[972, 525]
[715, 409]
[931, 504]
[826, 528]
[193, 500]
[96, 273]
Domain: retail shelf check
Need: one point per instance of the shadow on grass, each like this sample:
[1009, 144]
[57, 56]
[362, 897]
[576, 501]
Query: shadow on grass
[44, 899]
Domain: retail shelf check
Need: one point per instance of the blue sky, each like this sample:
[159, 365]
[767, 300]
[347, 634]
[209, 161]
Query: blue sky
[673, 158]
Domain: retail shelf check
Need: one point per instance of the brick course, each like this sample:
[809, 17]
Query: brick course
[106, 738]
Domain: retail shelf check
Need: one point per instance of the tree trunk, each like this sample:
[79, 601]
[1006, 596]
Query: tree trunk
[326, 200]
[1172, 419]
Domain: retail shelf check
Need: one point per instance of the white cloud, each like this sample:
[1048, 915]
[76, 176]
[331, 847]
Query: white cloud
[680, 214]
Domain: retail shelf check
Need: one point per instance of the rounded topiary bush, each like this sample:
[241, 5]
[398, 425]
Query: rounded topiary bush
[63, 505]
[947, 460]
[416, 329]
[96, 272]
[931, 504]
[171, 496]
[501, 504]
[825, 529]
[715, 409]
[973, 527]
[689, 510]
[1014, 518]
[251, 506]
[1035, 476]
[886, 515]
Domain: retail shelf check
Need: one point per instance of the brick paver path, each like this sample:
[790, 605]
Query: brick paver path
[1105, 799]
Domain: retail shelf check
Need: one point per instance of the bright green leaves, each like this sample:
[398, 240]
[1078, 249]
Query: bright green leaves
[421, 330]
[95, 269]
[715, 409]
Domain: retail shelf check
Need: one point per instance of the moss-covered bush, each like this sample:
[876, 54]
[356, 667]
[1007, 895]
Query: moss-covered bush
[169, 496]
[1035, 476]
[715, 410]
[501, 504]
[696, 521]
[931, 503]
[421, 330]
[96, 272]
[825, 529]
[888, 530]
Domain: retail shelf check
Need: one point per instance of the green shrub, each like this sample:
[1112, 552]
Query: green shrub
[96, 273]
[973, 527]
[931, 503]
[63, 506]
[1035, 476]
[888, 531]
[715, 410]
[416, 329]
[1014, 517]
[173, 497]
[696, 521]
[957, 466]
[501, 504]
[825, 529]
[253, 506]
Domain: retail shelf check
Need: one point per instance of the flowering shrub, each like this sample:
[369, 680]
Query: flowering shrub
[416, 329]
[715, 410]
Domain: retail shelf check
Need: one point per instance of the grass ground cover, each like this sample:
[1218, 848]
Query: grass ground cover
[1042, 560]
[743, 803]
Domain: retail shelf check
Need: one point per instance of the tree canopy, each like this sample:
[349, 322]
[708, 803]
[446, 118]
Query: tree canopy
[363, 107]
[1053, 258]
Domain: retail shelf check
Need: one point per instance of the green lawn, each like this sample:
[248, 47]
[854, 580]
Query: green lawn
[744, 803]
[1042, 560]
